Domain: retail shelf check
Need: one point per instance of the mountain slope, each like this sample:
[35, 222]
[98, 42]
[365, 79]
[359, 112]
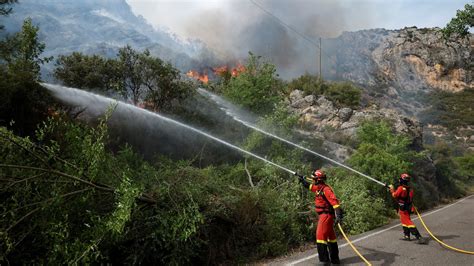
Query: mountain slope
[100, 27]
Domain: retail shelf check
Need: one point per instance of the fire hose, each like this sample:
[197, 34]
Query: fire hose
[439, 241]
[352, 246]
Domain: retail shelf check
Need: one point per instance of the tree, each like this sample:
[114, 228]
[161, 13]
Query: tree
[5, 8]
[461, 23]
[256, 88]
[129, 60]
[136, 75]
[381, 153]
[23, 101]
[92, 72]
[23, 52]
[162, 81]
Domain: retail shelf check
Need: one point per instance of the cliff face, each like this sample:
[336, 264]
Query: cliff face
[336, 128]
[323, 119]
[399, 67]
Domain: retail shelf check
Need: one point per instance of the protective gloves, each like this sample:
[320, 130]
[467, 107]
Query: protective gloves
[390, 187]
[339, 215]
[302, 180]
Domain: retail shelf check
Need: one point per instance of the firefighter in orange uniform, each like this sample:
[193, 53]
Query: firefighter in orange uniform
[404, 197]
[329, 211]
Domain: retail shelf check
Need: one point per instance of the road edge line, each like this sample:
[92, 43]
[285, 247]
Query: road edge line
[381, 231]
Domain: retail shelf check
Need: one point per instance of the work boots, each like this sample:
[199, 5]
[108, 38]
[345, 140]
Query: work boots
[334, 252]
[418, 237]
[406, 233]
[323, 254]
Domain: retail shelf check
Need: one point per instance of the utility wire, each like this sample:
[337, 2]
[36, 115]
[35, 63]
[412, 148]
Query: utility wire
[289, 27]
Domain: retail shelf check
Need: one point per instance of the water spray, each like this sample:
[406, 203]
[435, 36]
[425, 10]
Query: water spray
[229, 109]
[60, 91]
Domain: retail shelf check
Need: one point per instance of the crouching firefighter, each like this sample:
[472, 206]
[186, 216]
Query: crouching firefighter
[404, 197]
[327, 207]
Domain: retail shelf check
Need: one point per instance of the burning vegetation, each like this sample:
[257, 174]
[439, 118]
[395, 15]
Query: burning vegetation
[225, 72]
[204, 78]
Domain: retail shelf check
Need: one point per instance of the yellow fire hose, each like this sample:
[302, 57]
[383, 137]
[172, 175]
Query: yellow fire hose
[352, 246]
[439, 241]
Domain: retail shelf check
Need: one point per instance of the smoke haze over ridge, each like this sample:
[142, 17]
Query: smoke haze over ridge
[232, 28]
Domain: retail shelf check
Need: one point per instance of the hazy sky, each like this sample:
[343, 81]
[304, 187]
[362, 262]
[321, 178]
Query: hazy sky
[184, 17]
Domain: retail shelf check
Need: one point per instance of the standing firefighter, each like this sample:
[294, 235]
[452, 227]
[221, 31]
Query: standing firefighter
[404, 197]
[327, 207]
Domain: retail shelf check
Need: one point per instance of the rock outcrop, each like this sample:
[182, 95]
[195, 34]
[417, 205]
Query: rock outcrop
[337, 128]
[323, 119]
[398, 67]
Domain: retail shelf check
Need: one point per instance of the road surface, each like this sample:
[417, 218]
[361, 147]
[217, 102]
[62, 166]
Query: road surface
[453, 224]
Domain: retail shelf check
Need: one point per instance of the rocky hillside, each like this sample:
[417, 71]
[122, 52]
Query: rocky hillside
[101, 27]
[403, 69]
[398, 67]
[320, 118]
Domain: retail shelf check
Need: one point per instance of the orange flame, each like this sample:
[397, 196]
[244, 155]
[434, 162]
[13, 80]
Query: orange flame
[233, 72]
[194, 74]
[238, 70]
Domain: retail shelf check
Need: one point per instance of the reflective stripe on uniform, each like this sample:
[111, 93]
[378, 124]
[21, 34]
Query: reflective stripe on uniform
[310, 186]
[321, 242]
[332, 241]
[408, 226]
[336, 206]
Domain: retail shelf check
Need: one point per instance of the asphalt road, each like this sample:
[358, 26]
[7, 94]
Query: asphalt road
[453, 224]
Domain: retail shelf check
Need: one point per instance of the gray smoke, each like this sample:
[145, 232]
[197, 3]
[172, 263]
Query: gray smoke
[241, 26]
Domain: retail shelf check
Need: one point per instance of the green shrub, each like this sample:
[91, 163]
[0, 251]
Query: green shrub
[343, 94]
[257, 88]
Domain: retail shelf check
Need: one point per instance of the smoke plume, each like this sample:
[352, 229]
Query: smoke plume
[238, 27]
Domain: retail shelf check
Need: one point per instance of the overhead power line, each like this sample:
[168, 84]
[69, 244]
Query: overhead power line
[295, 31]
[285, 24]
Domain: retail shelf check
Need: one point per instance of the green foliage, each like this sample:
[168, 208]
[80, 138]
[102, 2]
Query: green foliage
[22, 100]
[5, 8]
[83, 71]
[138, 76]
[88, 205]
[309, 84]
[447, 171]
[257, 88]
[461, 23]
[466, 165]
[60, 195]
[381, 153]
[364, 207]
[343, 94]
[452, 110]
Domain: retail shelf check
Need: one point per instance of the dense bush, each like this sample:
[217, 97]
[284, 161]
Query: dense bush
[81, 203]
[257, 88]
[137, 76]
[343, 94]
[449, 109]
[23, 103]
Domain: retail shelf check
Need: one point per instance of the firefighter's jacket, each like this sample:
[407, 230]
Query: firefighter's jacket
[404, 196]
[325, 199]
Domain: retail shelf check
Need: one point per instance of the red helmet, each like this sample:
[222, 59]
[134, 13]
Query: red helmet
[405, 177]
[318, 175]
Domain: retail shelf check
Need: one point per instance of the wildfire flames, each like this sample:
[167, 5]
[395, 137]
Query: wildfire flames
[234, 72]
[221, 71]
[194, 74]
